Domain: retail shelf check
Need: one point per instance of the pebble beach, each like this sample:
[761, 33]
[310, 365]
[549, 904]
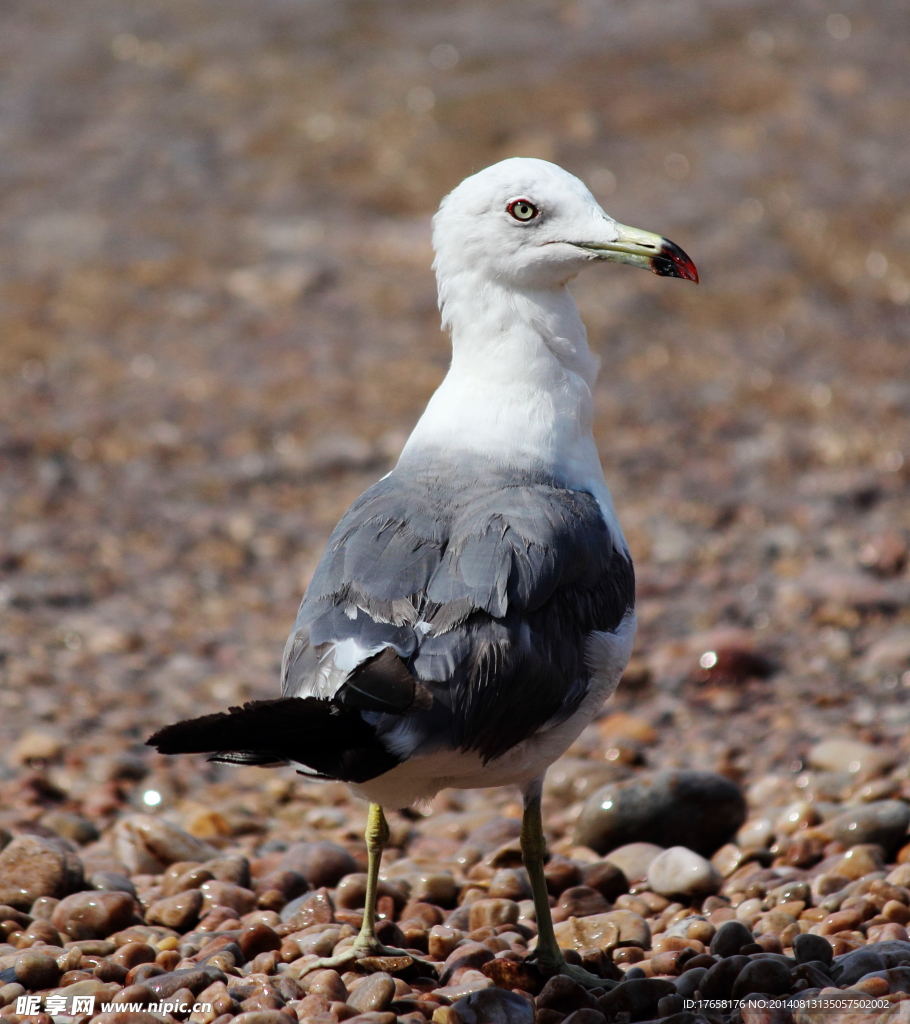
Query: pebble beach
[219, 328]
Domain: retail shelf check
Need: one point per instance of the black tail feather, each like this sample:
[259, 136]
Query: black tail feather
[332, 741]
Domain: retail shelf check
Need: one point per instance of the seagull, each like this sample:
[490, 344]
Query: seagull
[474, 608]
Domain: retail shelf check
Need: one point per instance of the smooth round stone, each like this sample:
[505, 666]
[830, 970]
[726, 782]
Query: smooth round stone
[437, 887]
[688, 982]
[33, 866]
[883, 822]
[633, 860]
[321, 864]
[730, 938]
[755, 834]
[93, 915]
[861, 861]
[606, 877]
[494, 1006]
[375, 993]
[582, 901]
[235, 870]
[808, 947]
[604, 931]
[329, 984]
[310, 908]
[762, 976]
[227, 894]
[682, 872]
[179, 912]
[843, 755]
[698, 810]
[492, 913]
[510, 884]
[36, 970]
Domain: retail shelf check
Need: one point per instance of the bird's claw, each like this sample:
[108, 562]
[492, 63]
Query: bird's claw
[579, 975]
[363, 951]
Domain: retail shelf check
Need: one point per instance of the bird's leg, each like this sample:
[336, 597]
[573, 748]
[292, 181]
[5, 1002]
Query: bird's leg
[534, 851]
[377, 838]
[367, 944]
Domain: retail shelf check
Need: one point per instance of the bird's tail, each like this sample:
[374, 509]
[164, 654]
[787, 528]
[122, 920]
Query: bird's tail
[329, 740]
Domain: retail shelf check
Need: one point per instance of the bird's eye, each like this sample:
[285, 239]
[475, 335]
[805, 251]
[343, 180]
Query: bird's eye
[521, 209]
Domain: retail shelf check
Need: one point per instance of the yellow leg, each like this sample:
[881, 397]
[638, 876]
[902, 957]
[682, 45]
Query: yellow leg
[534, 854]
[377, 837]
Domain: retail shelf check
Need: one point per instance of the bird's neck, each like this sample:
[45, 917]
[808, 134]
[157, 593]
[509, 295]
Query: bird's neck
[518, 391]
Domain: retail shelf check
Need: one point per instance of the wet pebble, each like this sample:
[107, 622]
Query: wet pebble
[180, 911]
[682, 872]
[698, 810]
[93, 915]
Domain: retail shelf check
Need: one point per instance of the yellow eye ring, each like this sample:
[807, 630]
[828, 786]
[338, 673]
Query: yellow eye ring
[522, 210]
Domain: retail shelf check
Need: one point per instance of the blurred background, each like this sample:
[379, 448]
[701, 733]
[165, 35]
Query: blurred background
[219, 325]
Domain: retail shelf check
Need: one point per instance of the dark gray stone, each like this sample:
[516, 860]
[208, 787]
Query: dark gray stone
[494, 1006]
[718, 982]
[698, 810]
[808, 947]
[639, 998]
[689, 981]
[884, 822]
[730, 938]
[769, 977]
[855, 965]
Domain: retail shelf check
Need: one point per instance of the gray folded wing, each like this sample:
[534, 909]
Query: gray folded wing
[485, 588]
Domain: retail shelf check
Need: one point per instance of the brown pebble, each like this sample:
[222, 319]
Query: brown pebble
[106, 971]
[180, 911]
[142, 972]
[257, 938]
[329, 984]
[375, 992]
[227, 894]
[43, 931]
[36, 970]
[487, 912]
[139, 995]
[93, 915]
[168, 959]
[131, 954]
[265, 963]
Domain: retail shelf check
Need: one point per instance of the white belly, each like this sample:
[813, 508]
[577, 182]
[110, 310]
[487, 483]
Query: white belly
[421, 778]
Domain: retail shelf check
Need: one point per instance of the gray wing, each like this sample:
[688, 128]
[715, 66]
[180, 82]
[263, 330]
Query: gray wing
[481, 593]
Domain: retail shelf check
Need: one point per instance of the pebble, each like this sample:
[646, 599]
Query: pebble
[604, 931]
[633, 860]
[36, 970]
[843, 755]
[311, 908]
[93, 915]
[883, 822]
[682, 872]
[33, 866]
[376, 992]
[492, 913]
[494, 1006]
[762, 976]
[180, 911]
[730, 937]
[147, 845]
[698, 810]
[321, 863]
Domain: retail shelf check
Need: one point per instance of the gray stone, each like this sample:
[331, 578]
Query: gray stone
[689, 981]
[638, 997]
[633, 860]
[731, 936]
[883, 822]
[111, 881]
[762, 976]
[698, 810]
[375, 993]
[494, 1006]
[682, 872]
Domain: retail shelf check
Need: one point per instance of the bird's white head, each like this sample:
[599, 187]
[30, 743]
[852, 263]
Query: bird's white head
[528, 224]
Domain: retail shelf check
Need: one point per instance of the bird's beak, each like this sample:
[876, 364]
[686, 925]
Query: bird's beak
[642, 249]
